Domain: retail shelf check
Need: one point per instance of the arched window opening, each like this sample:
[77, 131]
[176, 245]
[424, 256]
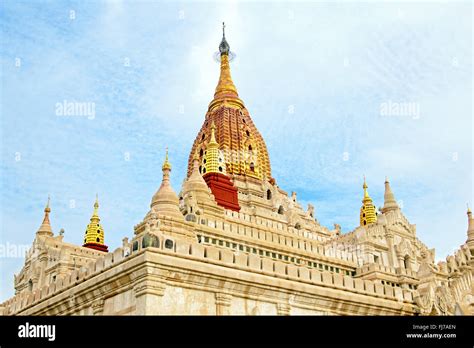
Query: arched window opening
[155, 241]
[250, 147]
[252, 167]
[201, 152]
[146, 241]
[30, 285]
[280, 210]
[269, 194]
[247, 132]
[191, 217]
[406, 262]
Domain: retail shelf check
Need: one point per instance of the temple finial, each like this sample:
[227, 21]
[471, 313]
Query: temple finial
[166, 163]
[368, 213]
[45, 228]
[94, 236]
[224, 47]
[225, 93]
[47, 209]
[389, 201]
[470, 229]
[364, 186]
[211, 156]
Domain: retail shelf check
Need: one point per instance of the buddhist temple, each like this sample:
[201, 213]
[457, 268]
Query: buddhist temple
[230, 241]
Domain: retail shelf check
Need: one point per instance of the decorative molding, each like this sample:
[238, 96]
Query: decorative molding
[283, 309]
[223, 303]
[151, 287]
[98, 306]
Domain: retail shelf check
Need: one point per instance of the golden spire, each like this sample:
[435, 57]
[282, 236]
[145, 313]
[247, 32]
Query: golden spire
[166, 163]
[47, 209]
[45, 228]
[210, 161]
[365, 187]
[225, 93]
[96, 205]
[94, 236]
[368, 213]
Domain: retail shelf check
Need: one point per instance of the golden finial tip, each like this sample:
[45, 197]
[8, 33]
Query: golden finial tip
[468, 209]
[166, 163]
[47, 209]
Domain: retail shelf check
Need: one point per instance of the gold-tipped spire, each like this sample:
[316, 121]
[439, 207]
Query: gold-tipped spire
[365, 187]
[225, 93]
[45, 228]
[469, 212]
[94, 235]
[96, 204]
[368, 212]
[166, 163]
[211, 162]
[47, 209]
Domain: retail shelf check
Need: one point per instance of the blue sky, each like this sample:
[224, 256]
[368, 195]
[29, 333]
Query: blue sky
[313, 76]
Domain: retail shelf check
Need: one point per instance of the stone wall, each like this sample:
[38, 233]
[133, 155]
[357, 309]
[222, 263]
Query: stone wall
[190, 278]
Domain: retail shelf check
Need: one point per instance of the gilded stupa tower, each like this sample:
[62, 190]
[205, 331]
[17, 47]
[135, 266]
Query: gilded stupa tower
[94, 236]
[368, 212]
[243, 148]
